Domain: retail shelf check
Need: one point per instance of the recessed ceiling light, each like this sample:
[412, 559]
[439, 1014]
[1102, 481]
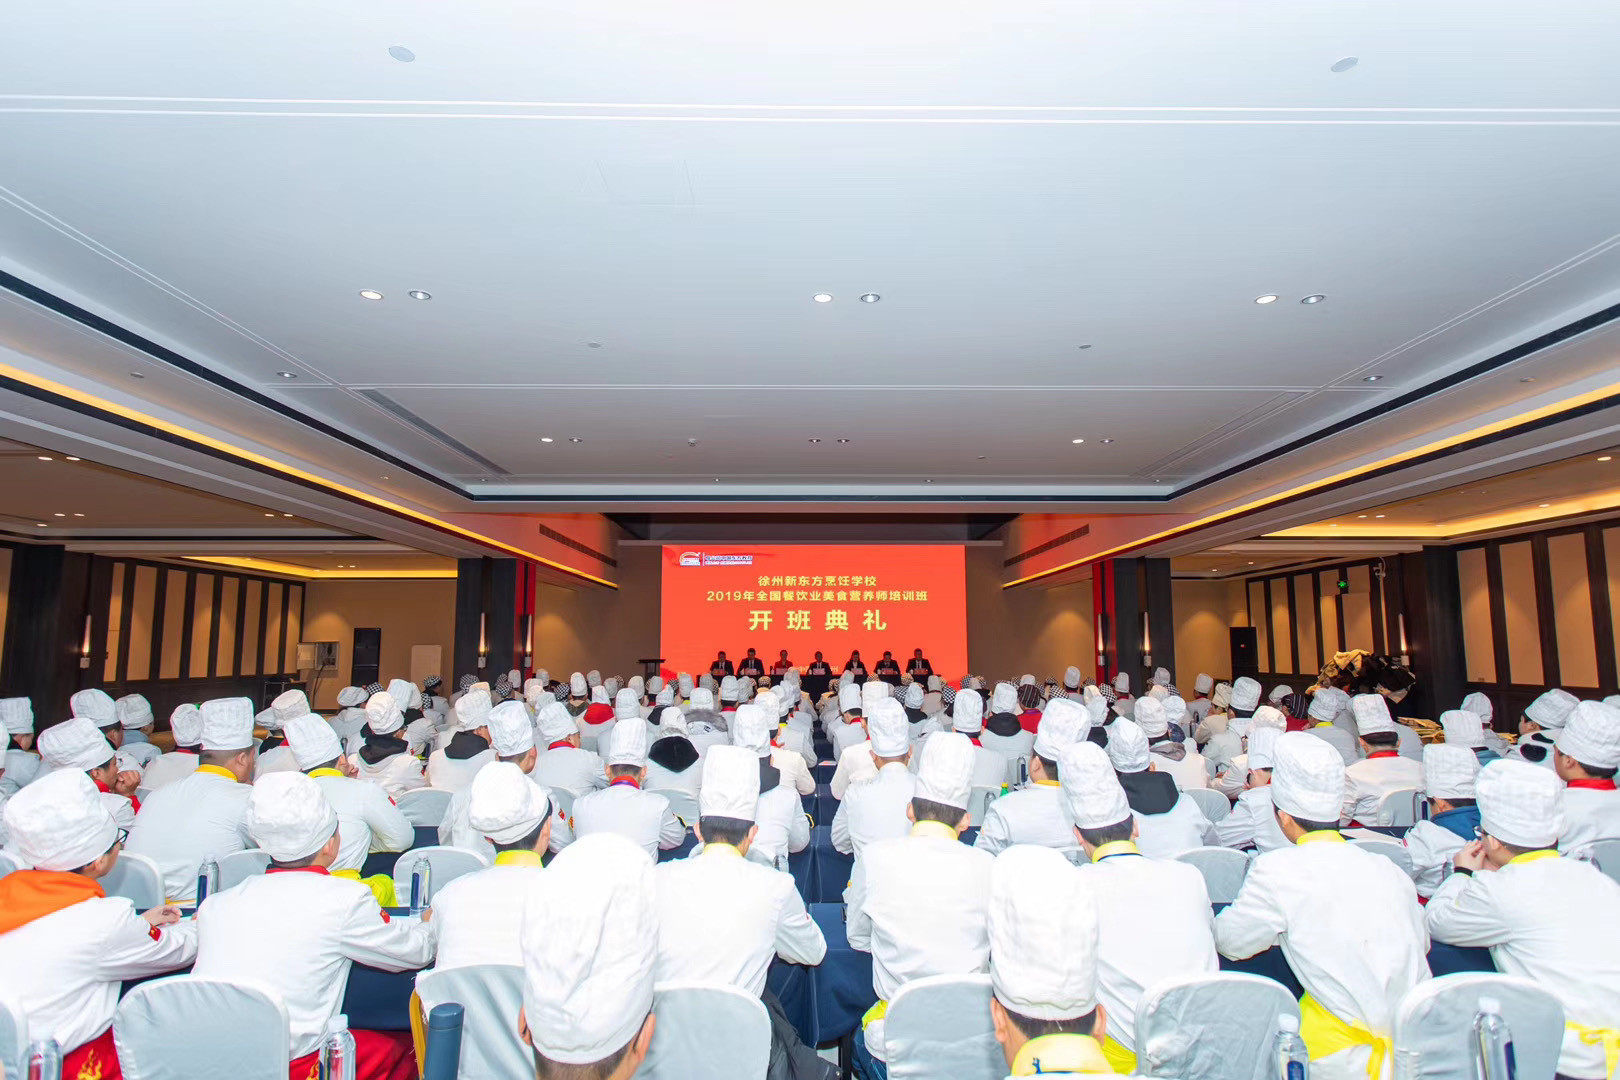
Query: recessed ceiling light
[70, 459]
[60, 515]
[928, 481]
[1106, 441]
[1378, 515]
[1545, 505]
[843, 440]
[1345, 63]
[1606, 457]
[78, 515]
[44, 457]
[371, 294]
[545, 438]
[1361, 515]
[814, 440]
[382, 478]
[717, 479]
[1077, 442]
[575, 439]
[287, 374]
[1314, 298]
[1251, 562]
[1269, 298]
[286, 515]
[1372, 378]
[1333, 525]
[41, 525]
[593, 344]
[1528, 379]
[401, 53]
[981, 457]
[822, 298]
[870, 298]
[1082, 346]
[269, 515]
[136, 375]
[418, 294]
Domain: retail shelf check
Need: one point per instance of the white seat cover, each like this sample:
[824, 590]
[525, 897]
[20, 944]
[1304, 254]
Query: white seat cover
[238, 866]
[1215, 806]
[712, 1032]
[447, 864]
[1223, 868]
[1393, 850]
[1434, 1027]
[491, 994]
[13, 1038]
[425, 806]
[940, 1026]
[1213, 1027]
[1399, 807]
[184, 1028]
[138, 878]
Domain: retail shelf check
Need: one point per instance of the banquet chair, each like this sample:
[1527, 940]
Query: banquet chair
[491, 995]
[13, 1038]
[159, 1036]
[136, 878]
[706, 1030]
[940, 1026]
[1434, 1027]
[446, 864]
[8, 863]
[1216, 807]
[1393, 850]
[238, 866]
[979, 800]
[1223, 868]
[683, 803]
[1214, 1027]
[1399, 807]
[425, 806]
[1603, 854]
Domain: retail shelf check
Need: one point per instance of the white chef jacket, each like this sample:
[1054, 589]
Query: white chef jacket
[64, 969]
[1550, 920]
[318, 926]
[395, 774]
[1221, 749]
[1199, 708]
[21, 768]
[1036, 814]
[1154, 922]
[276, 759]
[1253, 820]
[368, 820]
[1341, 739]
[795, 773]
[920, 905]
[1010, 747]
[1370, 779]
[1590, 814]
[170, 767]
[184, 823]
[854, 764]
[705, 735]
[455, 830]
[643, 816]
[453, 774]
[1431, 847]
[783, 827]
[141, 752]
[874, 809]
[348, 722]
[478, 917]
[659, 778]
[1349, 924]
[763, 916]
[1180, 828]
[1189, 772]
[571, 769]
[1408, 744]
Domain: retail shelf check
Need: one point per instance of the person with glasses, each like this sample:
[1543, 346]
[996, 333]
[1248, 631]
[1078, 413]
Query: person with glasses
[65, 945]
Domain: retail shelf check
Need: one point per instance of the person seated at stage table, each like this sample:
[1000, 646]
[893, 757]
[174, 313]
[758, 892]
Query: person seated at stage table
[854, 666]
[918, 666]
[817, 676]
[1383, 770]
[623, 807]
[875, 808]
[888, 669]
[1544, 917]
[1036, 814]
[1585, 756]
[1347, 919]
[1168, 821]
[1449, 774]
[782, 665]
[723, 667]
[322, 924]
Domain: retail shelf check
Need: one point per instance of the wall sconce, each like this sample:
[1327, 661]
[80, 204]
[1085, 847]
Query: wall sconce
[84, 646]
[483, 643]
[1400, 624]
[1147, 643]
[1102, 653]
[528, 642]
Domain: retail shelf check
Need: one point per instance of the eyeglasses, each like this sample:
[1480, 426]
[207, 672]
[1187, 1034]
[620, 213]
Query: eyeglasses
[123, 834]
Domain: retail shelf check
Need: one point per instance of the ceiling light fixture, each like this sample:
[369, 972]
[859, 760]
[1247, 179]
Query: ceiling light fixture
[136, 375]
[418, 294]
[575, 439]
[593, 344]
[1314, 298]
[371, 294]
[822, 297]
[1077, 442]
[78, 515]
[59, 515]
[1361, 515]
[1082, 346]
[1528, 379]
[1107, 441]
[287, 374]
[843, 440]
[1378, 515]
[401, 53]
[870, 298]
[1333, 525]
[1269, 298]
[1345, 63]
[1606, 457]
[70, 459]
[44, 457]
[40, 525]
[1545, 505]
[546, 438]
[286, 515]
[814, 440]
[1372, 378]
[269, 515]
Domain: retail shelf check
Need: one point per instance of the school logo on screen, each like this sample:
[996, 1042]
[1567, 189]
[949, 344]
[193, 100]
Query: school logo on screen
[699, 558]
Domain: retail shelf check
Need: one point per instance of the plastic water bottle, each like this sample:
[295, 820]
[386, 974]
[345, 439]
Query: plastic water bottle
[421, 884]
[337, 1050]
[207, 878]
[1493, 1043]
[44, 1061]
[1023, 772]
[1288, 1051]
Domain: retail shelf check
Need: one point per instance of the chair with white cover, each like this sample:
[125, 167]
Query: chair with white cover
[445, 863]
[1433, 1026]
[979, 800]
[1393, 850]
[1214, 1027]
[8, 863]
[564, 800]
[1603, 854]
[1398, 807]
[491, 994]
[238, 866]
[187, 1028]
[13, 1038]
[707, 1030]
[137, 878]
[425, 806]
[940, 1026]
[1216, 807]
[1223, 868]
[683, 803]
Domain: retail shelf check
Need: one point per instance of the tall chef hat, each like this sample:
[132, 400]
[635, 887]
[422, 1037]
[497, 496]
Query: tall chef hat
[730, 787]
[1090, 789]
[1043, 930]
[1307, 777]
[1520, 804]
[945, 774]
[59, 822]
[1449, 771]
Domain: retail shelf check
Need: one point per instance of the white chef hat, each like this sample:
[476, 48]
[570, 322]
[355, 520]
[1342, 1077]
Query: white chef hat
[510, 731]
[1043, 935]
[945, 774]
[59, 822]
[1122, 683]
[96, 706]
[577, 686]
[266, 718]
[751, 729]
[664, 696]
[1592, 735]
[914, 696]
[416, 697]
[1090, 789]
[1520, 804]
[1307, 777]
[1449, 771]
[75, 744]
[599, 695]
[708, 682]
[186, 723]
[313, 741]
[1245, 693]
[627, 745]
[481, 685]
[17, 713]
[636, 683]
[1480, 705]
[1149, 716]
[1175, 709]
[593, 677]
[1004, 699]
[1222, 697]
[400, 691]
[288, 815]
[1097, 711]
[1372, 715]
[1263, 747]
[1161, 677]
[288, 705]
[772, 705]
[1325, 705]
[134, 711]
[1242, 725]
[533, 689]
[383, 715]
[701, 699]
[590, 946]
[1552, 709]
[504, 805]
[351, 697]
[889, 730]
[1026, 680]
[728, 688]
[1203, 684]
[1266, 716]
[671, 721]
[1125, 707]
[1071, 678]
[872, 692]
[626, 706]
[472, 710]
[849, 698]
[1463, 727]
[1128, 747]
[1157, 692]
[554, 722]
[1062, 722]
[967, 712]
[655, 684]
[1279, 692]
[514, 677]
[683, 681]
[730, 787]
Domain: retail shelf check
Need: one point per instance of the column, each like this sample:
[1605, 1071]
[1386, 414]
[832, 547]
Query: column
[489, 616]
[45, 629]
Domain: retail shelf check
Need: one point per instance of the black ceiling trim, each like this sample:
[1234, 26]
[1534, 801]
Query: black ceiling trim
[569, 542]
[1041, 549]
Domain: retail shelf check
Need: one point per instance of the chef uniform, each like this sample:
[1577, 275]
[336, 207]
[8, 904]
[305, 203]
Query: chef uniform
[98, 707]
[185, 723]
[202, 815]
[1220, 742]
[1252, 822]
[851, 747]
[1117, 691]
[1169, 822]
[79, 745]
[1464, 728]
[1545, 918]
[597, 721]
[452, 766]
[320, 924]
[1004, 730]
[563, 765]
[1448, 773]
[1480, 705]
[673, 763]
[1035, 814]
[590, 953]
[478, 917]
[785, 752]
[380, 755]
[21, 765]
[512, 738]
[1540, 724]
[1214, 718]
[65, 945]
[1170, 754]
[623, 807]
[1331, 709]
[1347, 920]
[368, 817]
[1154, 914]
[918, 904]
[274, 753]
[1042, 926]
[135, 717]
[783, 827]
[1200, 705]
[1590, 740]
[1381, 772]
[967, 718]
[875, 809]
[351, 716]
